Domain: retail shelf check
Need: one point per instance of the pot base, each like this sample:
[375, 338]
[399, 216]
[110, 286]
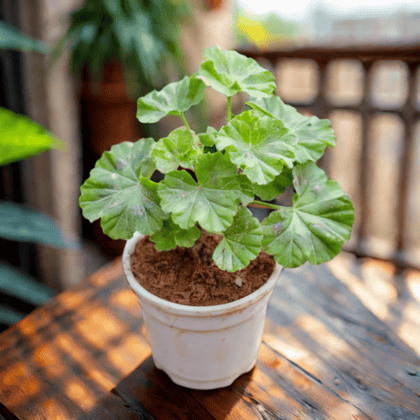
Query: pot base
[206, 385]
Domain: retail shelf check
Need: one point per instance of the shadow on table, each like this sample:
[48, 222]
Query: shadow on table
[148, 393]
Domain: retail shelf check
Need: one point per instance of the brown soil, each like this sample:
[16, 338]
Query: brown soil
[189, 276]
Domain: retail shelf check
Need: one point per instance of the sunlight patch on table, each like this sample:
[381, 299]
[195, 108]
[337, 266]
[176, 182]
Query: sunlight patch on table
[361, 290]
[378, 276]
[79, 393]
[71, 299]
[303, 383]
[286, 344]
[284, 367]
[413, 284]
[319, 333]
[27, 326]
[101, 379]
[99, 326]
[55, 410]
[351, 411]
[289, 351]
[77, 353]
[127, 300]
[20, 384]
[410, 334]
[108, 273]
[129, 354]
[48, 357]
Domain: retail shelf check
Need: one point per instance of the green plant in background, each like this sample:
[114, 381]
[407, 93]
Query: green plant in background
[211, 178]
[21, 138]
[12, 39]
[141, 34]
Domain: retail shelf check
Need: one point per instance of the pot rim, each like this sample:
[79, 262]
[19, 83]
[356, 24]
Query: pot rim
[199, 311]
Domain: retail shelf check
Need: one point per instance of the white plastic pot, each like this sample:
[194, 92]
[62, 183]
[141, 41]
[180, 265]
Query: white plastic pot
[202, 347]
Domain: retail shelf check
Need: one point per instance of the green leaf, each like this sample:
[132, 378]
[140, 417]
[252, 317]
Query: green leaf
[276, 187]
[13, 39]
[313, 134]
[171, 236]
[119, 191]
[18, 223]
[180, 148]
[212, 201]
[173, 99]
[315, 227]
[25, 288]
[138, 44]
[112, 7]
[247, 193]
[241, 242]
[260, 146]
[229, 72]
[21, 138]
[207, 138]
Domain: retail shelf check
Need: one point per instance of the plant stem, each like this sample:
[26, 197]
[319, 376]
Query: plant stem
[185, 121]
[229, 108]
[266, 205]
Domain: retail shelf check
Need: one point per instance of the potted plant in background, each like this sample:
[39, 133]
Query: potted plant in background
[122, 49]
[198, 212]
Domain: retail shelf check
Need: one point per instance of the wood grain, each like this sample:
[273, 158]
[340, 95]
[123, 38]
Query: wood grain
[326, 354]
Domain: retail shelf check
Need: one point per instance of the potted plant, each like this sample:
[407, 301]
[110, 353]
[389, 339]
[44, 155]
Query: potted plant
[209, 180]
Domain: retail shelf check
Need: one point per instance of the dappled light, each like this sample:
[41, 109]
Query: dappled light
[20, 383]
[263, 90]
[98, 327]
[48, 356]
[126, 300]
[394, 298]
[413, 284]
[326, 351]
[132, 351]
[361, 290]
[77, 391]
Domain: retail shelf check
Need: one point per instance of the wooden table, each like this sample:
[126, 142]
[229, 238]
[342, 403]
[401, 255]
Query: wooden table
[340, 343]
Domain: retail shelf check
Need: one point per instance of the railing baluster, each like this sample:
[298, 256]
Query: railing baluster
[408, 116]
[366, 114]
[320, 104]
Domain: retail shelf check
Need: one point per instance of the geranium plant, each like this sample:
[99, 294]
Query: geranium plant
[210, 178]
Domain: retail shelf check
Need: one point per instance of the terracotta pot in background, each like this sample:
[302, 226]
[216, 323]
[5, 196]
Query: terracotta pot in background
[111, 247]
[111, 113]
[214, 4]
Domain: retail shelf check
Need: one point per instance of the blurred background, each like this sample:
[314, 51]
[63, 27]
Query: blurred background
[357, 65]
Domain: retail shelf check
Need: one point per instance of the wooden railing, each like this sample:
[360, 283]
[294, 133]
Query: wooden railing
[405, 250]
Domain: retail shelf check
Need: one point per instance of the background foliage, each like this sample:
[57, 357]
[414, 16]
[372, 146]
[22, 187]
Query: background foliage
[141, 34]
[21, 138]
